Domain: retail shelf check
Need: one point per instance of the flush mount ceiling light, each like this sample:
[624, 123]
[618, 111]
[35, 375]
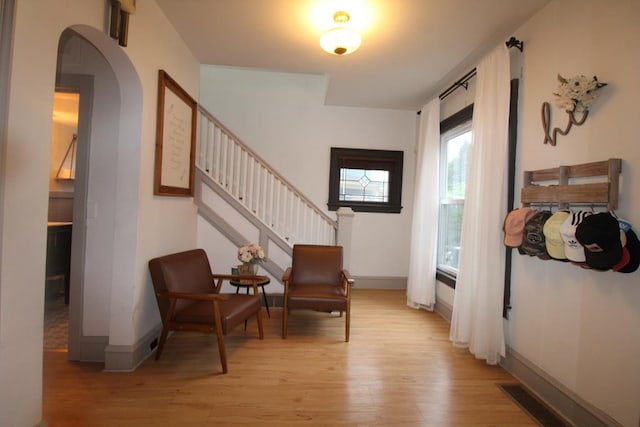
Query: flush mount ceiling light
[340, 40]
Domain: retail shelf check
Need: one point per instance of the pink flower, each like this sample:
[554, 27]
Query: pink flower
[251, 253]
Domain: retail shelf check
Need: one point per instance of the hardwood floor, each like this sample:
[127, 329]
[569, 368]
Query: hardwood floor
[399, 368]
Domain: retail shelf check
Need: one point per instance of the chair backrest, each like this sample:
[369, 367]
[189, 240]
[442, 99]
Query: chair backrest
[312, 264]
[187, 272]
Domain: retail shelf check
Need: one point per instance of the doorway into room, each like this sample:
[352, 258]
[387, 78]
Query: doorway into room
[62, 174]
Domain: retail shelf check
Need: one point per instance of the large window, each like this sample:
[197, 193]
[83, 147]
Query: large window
[455, 147]
[365, 180]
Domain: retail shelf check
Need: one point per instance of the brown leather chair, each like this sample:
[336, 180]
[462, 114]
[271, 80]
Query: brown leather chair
[317, 281]
[189, 298]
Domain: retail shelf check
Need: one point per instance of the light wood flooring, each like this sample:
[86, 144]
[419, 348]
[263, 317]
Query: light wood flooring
[399, 369]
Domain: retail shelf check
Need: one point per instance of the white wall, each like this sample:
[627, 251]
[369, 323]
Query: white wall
[165, 224]
[144, 225]
[579, 326]
[283, 118]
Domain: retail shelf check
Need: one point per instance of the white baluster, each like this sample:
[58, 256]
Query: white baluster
[269, 218]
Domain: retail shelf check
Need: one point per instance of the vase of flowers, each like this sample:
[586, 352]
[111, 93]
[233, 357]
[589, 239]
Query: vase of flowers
[250, 255]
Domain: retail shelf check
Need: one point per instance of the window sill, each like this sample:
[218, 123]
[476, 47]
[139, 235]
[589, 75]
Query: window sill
[366, 207]
[446, 277]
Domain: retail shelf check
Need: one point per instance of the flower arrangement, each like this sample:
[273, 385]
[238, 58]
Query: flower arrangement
[577, 93]
[251, 253]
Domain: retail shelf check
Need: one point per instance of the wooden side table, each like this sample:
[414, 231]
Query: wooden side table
[248, 284]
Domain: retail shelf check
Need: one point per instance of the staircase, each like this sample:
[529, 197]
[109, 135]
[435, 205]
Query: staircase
[227, 167]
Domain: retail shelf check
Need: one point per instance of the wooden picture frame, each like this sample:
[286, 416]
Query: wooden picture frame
[175, 139]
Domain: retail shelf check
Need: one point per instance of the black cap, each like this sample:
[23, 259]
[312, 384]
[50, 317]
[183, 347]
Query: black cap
[600, 236]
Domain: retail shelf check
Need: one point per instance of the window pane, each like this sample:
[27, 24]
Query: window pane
[361, 185]
[351, 174]
[449, 235]
[455, 147]
[456, 164]
[378, 175]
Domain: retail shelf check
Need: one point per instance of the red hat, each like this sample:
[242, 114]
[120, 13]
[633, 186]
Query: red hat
[633, 247]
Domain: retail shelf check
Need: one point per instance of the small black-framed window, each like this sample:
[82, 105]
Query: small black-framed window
[365, 180]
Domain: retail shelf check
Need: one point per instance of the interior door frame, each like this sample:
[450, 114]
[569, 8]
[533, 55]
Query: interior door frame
[82, 84]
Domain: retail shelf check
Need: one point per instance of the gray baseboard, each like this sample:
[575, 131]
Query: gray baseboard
[126, 358]
[92, 349]
[562, 400]
[379, 282]
[361, 282]
[275, 300]
[443, 309]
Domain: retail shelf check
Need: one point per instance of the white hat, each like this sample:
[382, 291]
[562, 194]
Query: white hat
[573, 249]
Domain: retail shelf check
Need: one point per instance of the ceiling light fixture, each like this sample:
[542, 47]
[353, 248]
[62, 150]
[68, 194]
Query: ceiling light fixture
[340, 40]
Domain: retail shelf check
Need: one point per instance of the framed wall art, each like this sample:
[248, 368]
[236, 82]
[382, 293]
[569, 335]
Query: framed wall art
[175, 139]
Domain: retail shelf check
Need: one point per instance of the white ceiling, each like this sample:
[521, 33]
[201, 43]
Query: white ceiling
[411, 49]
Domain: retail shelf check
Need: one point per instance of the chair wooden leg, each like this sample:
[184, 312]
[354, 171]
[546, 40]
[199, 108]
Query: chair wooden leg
[259, 318]
[221, 347]
[285, 313]
[348, 324]
[220, 336]
[166, 325]
[222, 350]
[346, 332]
[163, 339]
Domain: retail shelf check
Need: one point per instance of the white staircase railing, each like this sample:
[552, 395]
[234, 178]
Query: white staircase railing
[255, 185]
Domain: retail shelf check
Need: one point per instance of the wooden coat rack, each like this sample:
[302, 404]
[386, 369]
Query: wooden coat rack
[538, 191]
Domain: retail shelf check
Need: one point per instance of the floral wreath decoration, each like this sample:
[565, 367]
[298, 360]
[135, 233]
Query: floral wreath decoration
[575, 95]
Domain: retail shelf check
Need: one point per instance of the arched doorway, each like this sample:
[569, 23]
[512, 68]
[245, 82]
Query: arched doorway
[106, 184]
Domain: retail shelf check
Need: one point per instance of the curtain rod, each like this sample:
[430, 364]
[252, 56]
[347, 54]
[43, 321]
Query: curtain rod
[464, 80]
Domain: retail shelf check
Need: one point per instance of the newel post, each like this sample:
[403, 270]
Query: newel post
[345, 227]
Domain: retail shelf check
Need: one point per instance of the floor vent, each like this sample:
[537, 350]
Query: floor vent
[536, 409]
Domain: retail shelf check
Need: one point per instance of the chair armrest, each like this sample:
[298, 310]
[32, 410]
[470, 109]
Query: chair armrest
[347, 282]
[286, 278]
[347, 277]
[287, 274]
[192, 296]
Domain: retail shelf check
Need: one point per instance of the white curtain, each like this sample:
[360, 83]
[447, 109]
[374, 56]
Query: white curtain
[421, 283]
[477, 321]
